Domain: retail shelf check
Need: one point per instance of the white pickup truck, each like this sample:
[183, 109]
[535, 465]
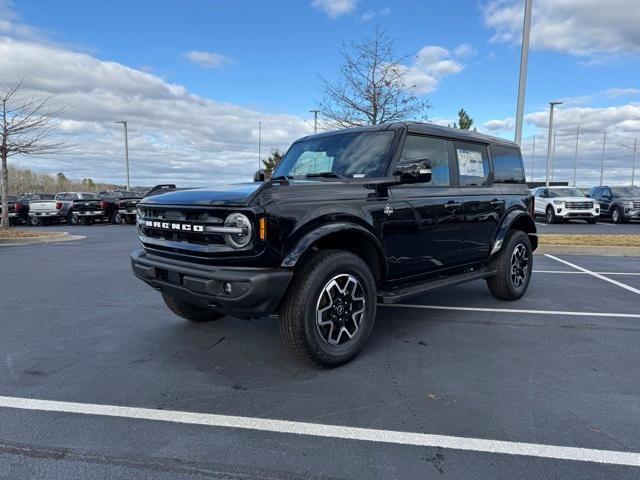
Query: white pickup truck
[565, 203]
[72, 207]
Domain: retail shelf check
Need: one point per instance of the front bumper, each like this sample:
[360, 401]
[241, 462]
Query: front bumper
[631, 214]
[564, 212]
[255, 292]
[47, 214]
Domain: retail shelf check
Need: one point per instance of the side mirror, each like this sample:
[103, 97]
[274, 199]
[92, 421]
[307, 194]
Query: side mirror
[419, 171]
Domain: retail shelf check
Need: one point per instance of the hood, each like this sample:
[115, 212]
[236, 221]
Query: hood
[627, 199]
[572, 199]
[235, 194]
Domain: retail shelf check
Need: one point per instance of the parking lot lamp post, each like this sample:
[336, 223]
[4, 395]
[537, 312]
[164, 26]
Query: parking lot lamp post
[575, 157]
[633, 164]
[126, 150]
[524, 60]
[550, 137]
[259, 146]
[315, 120]
[533, 160]
[604, 146]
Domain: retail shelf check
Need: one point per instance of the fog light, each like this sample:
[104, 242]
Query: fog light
[227, 288]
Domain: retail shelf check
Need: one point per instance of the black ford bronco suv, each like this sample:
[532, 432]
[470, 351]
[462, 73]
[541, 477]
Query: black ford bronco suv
[349, 219]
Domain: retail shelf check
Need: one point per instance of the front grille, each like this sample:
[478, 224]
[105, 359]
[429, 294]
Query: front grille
[183, 231]
[636, 205]
[579, 205]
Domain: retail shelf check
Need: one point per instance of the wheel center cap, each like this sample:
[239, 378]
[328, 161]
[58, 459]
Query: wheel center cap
[340, 309]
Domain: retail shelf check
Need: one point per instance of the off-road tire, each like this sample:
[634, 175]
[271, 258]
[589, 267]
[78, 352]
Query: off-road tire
[190, 312]
[298, 320]
[501, 284]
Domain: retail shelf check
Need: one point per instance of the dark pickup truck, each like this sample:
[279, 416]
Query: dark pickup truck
[18, 210]
[350, 219]
[120, 206]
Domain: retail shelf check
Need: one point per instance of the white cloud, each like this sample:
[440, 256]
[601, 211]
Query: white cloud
[207, 59]
[622, 92]
[174, 135]
[335, 8]
[371, 14]
[431, 65]
[622, 124]
[505, 124]
[578, 27]
[464, 50]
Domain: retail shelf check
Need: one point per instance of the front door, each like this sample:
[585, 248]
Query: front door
[424, 230]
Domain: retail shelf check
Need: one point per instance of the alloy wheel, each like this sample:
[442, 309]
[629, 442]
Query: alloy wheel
[340, 309]
[519, 266]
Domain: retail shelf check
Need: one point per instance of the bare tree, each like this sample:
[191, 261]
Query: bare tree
[27, 127]
[373, 86]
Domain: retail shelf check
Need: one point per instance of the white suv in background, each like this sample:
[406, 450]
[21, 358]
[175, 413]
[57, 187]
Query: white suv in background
[565, 203]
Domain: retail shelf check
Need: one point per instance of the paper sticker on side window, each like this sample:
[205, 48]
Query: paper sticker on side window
[470, 163]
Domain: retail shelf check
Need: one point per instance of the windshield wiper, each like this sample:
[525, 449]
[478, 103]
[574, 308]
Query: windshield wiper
[324, 175]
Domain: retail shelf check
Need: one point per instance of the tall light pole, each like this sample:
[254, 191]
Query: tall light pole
[524, 60]
[551, 108]
[315, 120]
[604, 146]
[634, 154]
[126, 150]
[553, 157]
[575, 158]
[259, 146]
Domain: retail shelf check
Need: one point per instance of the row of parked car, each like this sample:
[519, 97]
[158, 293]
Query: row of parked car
[557, 204]
[116, 207]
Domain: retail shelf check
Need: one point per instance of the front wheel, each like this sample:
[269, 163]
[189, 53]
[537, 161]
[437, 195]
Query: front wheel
[191, 312]
[616, 215]
[551, 215]
[513, 265]
[329, 309]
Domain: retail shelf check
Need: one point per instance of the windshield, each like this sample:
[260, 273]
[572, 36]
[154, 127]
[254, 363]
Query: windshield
[351, 155]
[625, 191]
[565, 192]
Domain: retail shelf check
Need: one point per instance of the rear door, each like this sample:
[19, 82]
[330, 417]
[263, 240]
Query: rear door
[483, 207]
[424, 232]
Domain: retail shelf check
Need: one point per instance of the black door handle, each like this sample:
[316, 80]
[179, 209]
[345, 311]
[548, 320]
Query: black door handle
[495, 201]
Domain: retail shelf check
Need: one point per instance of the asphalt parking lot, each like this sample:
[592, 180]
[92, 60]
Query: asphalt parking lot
[580, 227]
[455, 384]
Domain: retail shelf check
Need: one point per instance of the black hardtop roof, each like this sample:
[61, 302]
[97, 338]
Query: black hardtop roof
[424, 129]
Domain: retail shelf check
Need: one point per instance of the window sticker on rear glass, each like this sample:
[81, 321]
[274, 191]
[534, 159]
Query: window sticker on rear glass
[470, 163]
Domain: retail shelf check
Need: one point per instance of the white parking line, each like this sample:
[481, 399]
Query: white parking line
[594, 274]
[575, 272]
[331, 431]
[513, 310]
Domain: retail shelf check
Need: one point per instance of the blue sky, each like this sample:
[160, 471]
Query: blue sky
[264, 57]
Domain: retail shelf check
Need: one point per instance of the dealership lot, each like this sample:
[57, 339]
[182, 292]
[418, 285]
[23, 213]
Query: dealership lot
[557, 369]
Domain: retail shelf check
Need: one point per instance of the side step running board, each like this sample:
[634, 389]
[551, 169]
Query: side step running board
[401, 293]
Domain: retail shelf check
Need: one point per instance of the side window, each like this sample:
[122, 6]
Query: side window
[597, 193]
[473, 164]
[507, 165]
[433, 150]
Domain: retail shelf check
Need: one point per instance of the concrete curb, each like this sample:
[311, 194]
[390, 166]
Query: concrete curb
[600, 251]
[57, 237]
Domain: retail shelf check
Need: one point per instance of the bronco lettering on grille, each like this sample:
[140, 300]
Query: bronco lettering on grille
[183, 227]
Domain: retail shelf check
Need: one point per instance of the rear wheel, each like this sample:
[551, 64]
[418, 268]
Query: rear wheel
[329, 309]
[72, 219]
[513, 265]
[34, 221]
[191, 312]
[116, 218]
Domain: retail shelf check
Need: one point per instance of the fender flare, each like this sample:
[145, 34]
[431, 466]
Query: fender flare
[302, 245]
[505, 226]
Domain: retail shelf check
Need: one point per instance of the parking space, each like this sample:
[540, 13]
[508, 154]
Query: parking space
[453, 385]
[580, 227]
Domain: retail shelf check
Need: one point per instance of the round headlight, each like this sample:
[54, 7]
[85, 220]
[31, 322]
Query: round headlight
[240, 239]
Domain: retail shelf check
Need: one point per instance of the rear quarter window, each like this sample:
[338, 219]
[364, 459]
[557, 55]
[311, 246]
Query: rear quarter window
[507, 165]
